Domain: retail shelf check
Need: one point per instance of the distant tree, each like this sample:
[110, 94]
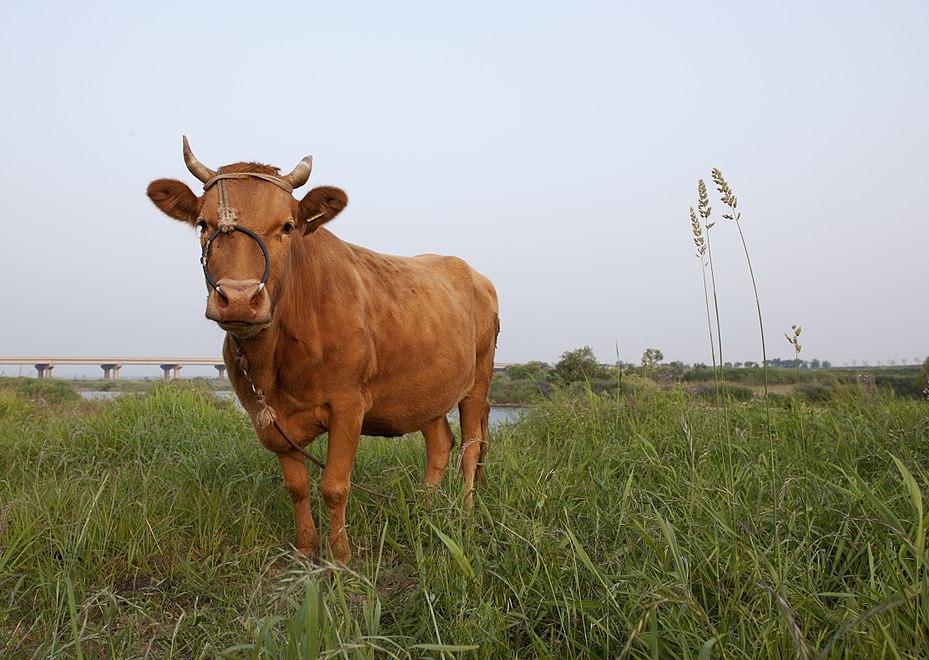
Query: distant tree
[651, 358]
[814, 363]
[535, 371]
[749, 364]
[578, 365]
[675, 368]
[827, 364]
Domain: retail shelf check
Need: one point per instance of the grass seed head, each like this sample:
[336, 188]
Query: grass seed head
[725, 191]
[703, 201]
[793, 337]
[699, 241]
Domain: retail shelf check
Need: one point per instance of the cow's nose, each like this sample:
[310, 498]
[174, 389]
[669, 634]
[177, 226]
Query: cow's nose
[239, 301]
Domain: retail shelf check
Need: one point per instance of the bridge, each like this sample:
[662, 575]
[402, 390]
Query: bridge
[171, 366]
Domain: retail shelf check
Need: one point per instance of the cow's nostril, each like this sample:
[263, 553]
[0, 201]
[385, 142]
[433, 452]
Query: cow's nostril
[257, 298]
[221, 300]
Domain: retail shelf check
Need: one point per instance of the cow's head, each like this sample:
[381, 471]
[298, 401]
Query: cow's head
[240, 302]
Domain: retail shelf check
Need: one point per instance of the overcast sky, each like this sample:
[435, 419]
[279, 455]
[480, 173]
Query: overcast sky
[554, 146]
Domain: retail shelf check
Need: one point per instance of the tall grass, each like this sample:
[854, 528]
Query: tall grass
[701, 249]
[728, 198]
[703, 205]
[608, 526]
[731, 201]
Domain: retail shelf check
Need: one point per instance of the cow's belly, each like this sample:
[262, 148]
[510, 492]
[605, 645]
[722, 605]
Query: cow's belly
[410, 401]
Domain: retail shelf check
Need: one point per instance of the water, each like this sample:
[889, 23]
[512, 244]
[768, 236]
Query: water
[498, 414]
[505, 414]
[99, 396]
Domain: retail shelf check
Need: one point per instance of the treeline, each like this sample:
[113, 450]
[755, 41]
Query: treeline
[579, 369]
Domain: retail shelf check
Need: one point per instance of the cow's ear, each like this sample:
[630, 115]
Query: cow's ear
[320, 206]
[175, 199]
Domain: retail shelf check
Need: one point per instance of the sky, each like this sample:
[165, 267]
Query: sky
[554, 146]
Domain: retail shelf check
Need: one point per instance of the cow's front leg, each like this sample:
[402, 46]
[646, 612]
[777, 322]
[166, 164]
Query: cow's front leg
[297, 483]
[344, 433]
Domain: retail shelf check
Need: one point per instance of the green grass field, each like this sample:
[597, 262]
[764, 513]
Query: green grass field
[648, 525]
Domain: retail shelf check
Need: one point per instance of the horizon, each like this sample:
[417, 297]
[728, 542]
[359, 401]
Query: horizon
[94, 372]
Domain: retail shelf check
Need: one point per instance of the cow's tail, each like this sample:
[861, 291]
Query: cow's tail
[450, 433]
[485, 440]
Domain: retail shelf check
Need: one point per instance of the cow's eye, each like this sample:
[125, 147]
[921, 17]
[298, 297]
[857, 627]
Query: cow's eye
[288, 227]
[201, 225]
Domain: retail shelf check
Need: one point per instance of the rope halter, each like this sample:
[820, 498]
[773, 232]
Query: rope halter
[228, 217]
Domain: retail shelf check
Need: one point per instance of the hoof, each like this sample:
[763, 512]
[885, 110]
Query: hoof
[308, 554]
[341, 553]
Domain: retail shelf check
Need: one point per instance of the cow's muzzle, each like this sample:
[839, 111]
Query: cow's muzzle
[241, 307]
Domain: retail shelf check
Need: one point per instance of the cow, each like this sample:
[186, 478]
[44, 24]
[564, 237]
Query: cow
[333, 337]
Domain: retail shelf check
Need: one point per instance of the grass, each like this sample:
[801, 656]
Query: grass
[157, 526]
[141, 384]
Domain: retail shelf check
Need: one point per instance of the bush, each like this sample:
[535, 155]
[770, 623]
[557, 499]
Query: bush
[900, 384]
[42, 391]
[578, 366]
[12, 405]
[755, 375]
[815, 392]
[729, 391]
[638, 385]
[506, 390]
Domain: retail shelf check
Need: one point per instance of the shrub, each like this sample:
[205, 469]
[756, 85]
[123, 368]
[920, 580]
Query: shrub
[578, 366]
[815, 392]
[42, 391]
[506, 390]
[900, 384]
[12, 405]
[638, 385]
[730, 391]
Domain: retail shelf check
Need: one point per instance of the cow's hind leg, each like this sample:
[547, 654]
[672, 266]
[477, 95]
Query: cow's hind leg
[439, 442]
[474, 411]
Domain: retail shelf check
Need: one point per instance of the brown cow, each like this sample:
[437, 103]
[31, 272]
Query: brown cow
[340, 339]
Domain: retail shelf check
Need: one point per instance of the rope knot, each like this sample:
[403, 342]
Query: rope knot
[227, 219]
[265, 417]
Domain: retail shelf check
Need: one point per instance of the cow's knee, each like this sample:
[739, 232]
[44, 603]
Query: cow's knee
[297, 486]
[335, 494]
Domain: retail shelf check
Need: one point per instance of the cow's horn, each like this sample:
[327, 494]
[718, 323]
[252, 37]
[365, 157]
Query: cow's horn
[301, 172]
[196, 168]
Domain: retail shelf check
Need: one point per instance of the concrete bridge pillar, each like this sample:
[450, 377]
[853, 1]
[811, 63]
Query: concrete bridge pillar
[221, 368]
[111, 371]
[171, 370]
[44, 370]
